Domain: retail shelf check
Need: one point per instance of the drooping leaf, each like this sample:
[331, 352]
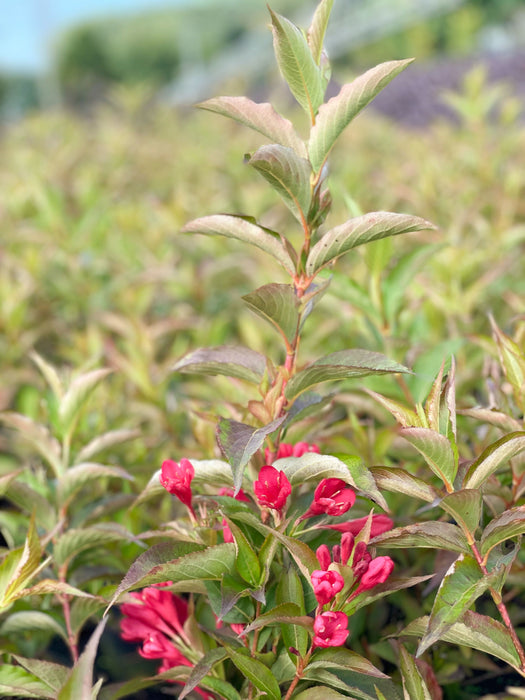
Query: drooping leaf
[49, 373]
[435, 535]
[30, 620]
[229, 360]
[76, 395]
[510, 523]
[81, 474]
[76, 540]
[297, 65]
[382, 590]
[317, 29]
[45, 444]
[436, 450]
[288, 174]
[306, 405]
[355, 232]
[344, 660]
[493, 457]
[342, 364]
[52, 674]
[30, 500]
[406, 417]
[80, 681]
[414, 687]
[259, 674]
[261, 117]
[338, 112]
[512, 360]
[202, 668]
[278, 305]
[239, 442]
[494, 417]
[242, 230]
[400, 481]
[320, 692]
[16, 682]
[465, 507]
[461, 586]
[49, 586]
[288, 613]
[477, 632]
[104, 442]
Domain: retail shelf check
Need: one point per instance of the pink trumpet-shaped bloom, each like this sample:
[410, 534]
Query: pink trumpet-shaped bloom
[176, 478]
[332, 497]
[326, 585]
[379, 569]
[330, 629]
[272, 488]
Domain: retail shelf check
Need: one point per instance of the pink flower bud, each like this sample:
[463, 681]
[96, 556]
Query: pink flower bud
[326, 585]
[323, 556]
[330, 629]
[379, 569]
[347, 545]
[331, 497]
[272, 488]
[176, 478]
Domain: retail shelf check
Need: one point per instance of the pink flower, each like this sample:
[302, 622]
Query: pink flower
[331, 629]
[323, 556]
[380, 524]
[176, 478]
[156, 611]
[287, 450]
[227, 491]
[379, 569]
[326, 585]
[272, 488]
[331, 497]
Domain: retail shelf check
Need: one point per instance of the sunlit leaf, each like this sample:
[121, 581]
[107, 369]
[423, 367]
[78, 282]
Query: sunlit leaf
[46, 445]
[76, 395]
[16, 682]
[510, 523]
[493, 457]
[465, 507]
[52, 674]
[317, 29]
[400, 481]
[436, 450]
[278, 305]
[229, 360]
[345, 660]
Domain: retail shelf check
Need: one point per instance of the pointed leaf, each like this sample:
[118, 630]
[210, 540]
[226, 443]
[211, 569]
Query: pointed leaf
[19, 566]
[288, 174]
[288, 613]
[46, 445]
[239, 442]
[297, 65]
[25, 620]
[414, 687]
[278, 305]
[465, 507]
[343, 364]
[230, 360]
[76, 395]
[74, 541]
[49, 373]
[512, 359]
[261, 117]
[79, 685]
[202, 668]
[29, 500]
[52, 674]
[78, 476]
[16, 682]
[259, 674]
[406, 417]
[510, 523]
[49, 586]
[104, 442]
[400, 481]
[307, 404]
[436, 450]
[493, 457]
[338, 112]
[247, 561]
[435, 535]
[290, 589]
[344, 660]
[317, 29]
[496, 418]
[355, 232]
[242, 230]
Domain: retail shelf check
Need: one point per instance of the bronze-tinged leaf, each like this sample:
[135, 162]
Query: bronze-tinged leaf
[229, 360]
[510, 523]
[437, 451]
[278, 305]
[493, 457]
[465, 507]
[435, 535]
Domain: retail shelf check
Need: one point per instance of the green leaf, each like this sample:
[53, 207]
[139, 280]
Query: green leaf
[221, 688]
[16, 682]
[50, 586]
[382, 590]
[356, 232]
[19, 566]
[493, 457]
[79, 685]
[342, 364]
[290, 589]
[242, 230]
[278, 305]
[463, 583]
[260, 117]
[247, 561]
[400, 481]
[436, 450]
[288, 174]
[76, 395]
[52, 674]
[307, 404]
[202, 668]
[82, 609]
[465, 507]
[256, 672]
[297, 65]
[335, 115]
[105, 441]
[477, 632]
[317, 29]
[78, 476]
[229, 360]
[406, 417]
[74, 541]
[414, 687]
[320, 692]
[435, 535]
[40, 438]
[345, 660]
[177, 561]
[510, 523]
[30, 620]
[512, 359]
[288, 613]
[29, 500]
[49, 373]
[238, 442]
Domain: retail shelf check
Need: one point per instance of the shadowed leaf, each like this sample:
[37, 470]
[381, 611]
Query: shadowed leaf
[510, 523]
[79, 685]
[229, 360]
[400, 481]
[278, 305]
[465, 507]
[493, 457]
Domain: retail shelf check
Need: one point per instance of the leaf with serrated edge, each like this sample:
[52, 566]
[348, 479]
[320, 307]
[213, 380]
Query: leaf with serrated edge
[278, 305]
[80, 682]
[20, 565]
[46, 445]
[202, 668]
[343, 364]
[297, 64]
[49, 373]
[52, 674]
[229, 360]
[400, 481]
[17, 682]
[435, 535]
[414, 687]
[493, 457]
[261, 117]
[104, 442]
[475, 631]
[81, 474]
[74, 541]
[76, 395]
[465, 507]
[406, 417]
[360, 230]
[335, 115]
[317, 29]
[346, 660]
[25, 620]
[236, 227]
[436, 450]
[288, 174]
[239, 442]
[510, 523]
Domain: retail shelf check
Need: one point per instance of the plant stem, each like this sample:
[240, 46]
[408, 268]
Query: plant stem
[302, 664]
